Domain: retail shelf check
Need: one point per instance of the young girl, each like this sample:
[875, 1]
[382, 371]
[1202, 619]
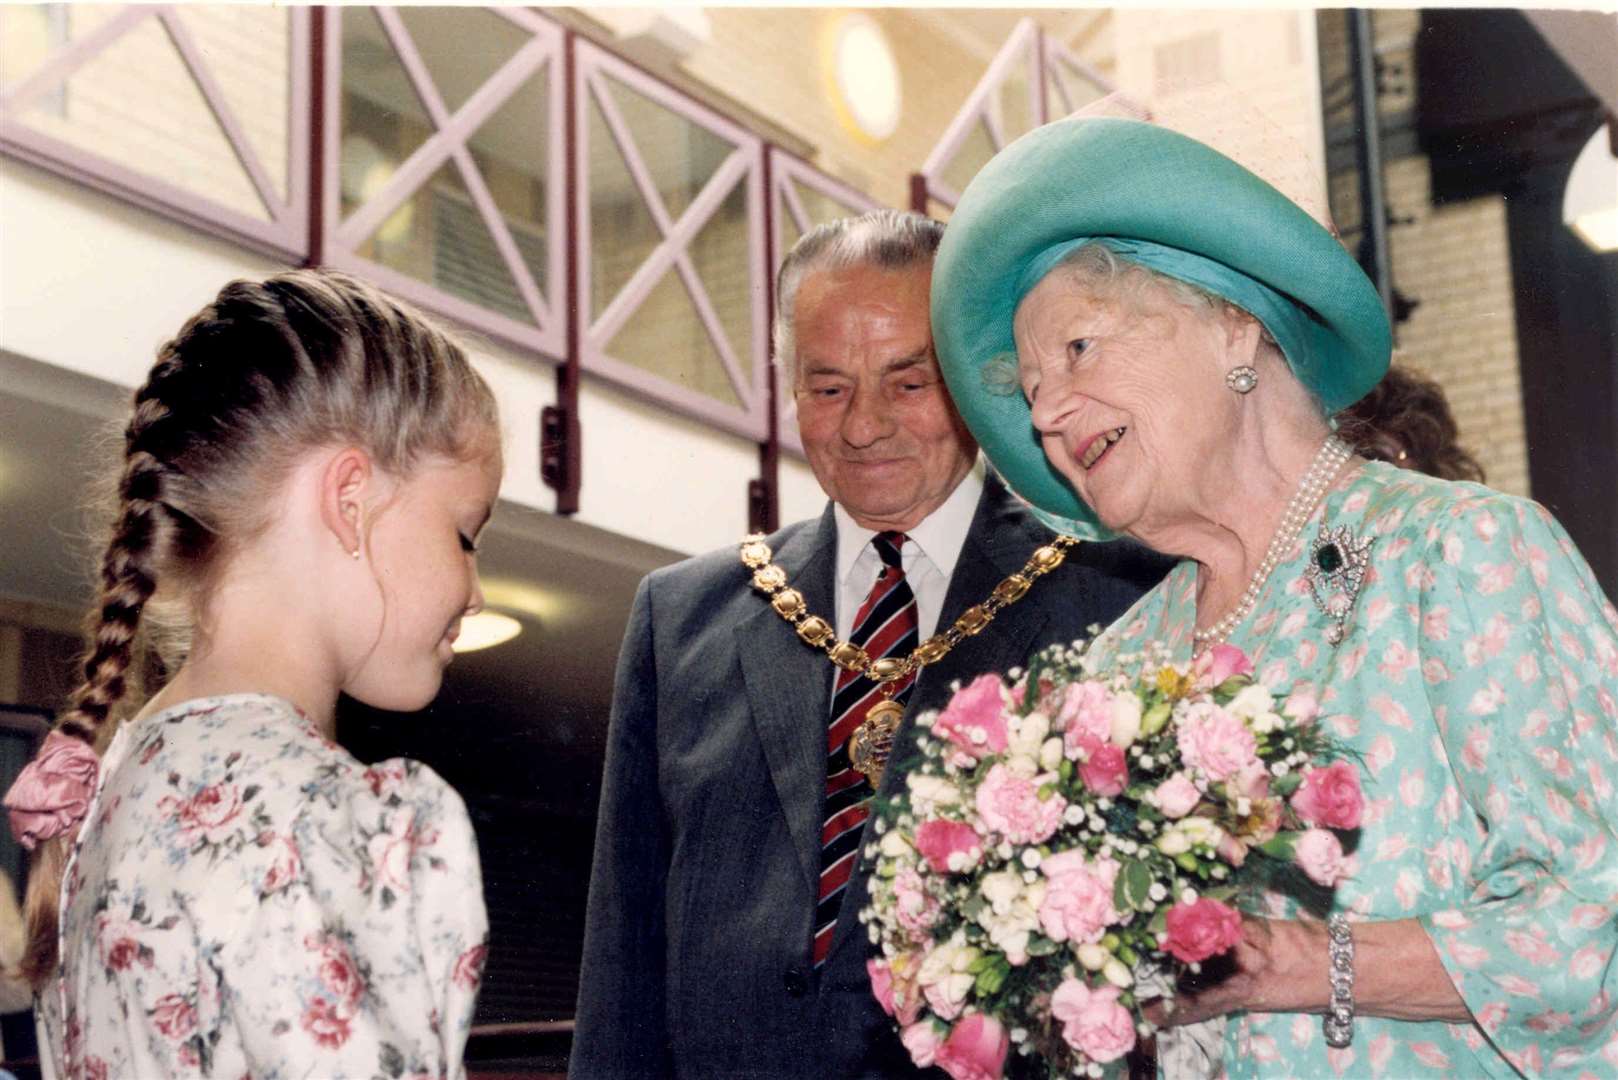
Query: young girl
[306, 472]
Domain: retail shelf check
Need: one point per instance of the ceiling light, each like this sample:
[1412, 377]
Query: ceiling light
[1590, 201]
[485, 630]
[865, 76]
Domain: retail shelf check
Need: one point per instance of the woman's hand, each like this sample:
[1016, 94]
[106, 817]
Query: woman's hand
[1280, 966]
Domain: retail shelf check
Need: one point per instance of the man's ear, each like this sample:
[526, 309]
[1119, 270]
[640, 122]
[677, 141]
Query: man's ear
[347, 481]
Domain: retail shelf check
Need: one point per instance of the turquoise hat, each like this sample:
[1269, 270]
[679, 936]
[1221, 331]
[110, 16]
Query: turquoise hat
[1160, 199]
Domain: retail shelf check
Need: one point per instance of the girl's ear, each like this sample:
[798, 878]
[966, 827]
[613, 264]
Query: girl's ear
[346, 484]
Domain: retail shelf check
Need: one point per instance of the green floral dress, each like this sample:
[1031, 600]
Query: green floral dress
[1478, 679]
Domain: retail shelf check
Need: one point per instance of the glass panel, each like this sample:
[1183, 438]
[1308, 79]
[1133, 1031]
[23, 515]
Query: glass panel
[438, 237]
[461, 46]
[30, 33]
[680, 155]
[1080, 89]
[248, 50]
[622, 232]
[383, 121]
[789, 235]
[512, 151]
[974, 153]
[665, 337]
[1016, 117]
[822, 208]
[136, 104]
[720, 254]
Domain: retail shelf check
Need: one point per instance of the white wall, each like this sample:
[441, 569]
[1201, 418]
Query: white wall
[93, 285]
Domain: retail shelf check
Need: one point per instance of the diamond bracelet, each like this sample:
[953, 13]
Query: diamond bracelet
[1338, 1023]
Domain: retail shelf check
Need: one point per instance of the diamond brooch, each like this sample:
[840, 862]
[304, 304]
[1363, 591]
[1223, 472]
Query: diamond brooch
[1337, 565]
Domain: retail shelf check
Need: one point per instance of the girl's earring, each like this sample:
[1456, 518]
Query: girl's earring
[1242, 379]
[355, 554]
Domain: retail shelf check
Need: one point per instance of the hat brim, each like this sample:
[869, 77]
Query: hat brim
[1104, 176]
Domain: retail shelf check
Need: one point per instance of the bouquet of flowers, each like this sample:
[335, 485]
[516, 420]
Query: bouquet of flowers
[1069, 844]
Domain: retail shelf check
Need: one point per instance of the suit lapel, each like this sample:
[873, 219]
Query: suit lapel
[997, 545]
[789, 686]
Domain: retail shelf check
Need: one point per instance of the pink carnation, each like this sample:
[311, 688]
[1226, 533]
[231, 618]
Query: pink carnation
[974, 720]
[1213, 666]
[1202, 929]
[1320, 854]
[917, 908]
[1177, 796]
[1078, 901]
[1093, 1022]
[937, 840]
[1330, 797]
[975, 1050]
[1010, 805]
[1103, 769]
[1214, 741]
[1086, 713]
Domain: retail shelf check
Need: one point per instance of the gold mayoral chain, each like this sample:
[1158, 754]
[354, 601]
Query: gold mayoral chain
[872, 741]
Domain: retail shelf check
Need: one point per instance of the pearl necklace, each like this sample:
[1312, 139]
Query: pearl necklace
[1331, 457]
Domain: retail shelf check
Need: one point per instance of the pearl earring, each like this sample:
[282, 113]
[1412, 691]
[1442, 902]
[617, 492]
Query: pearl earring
[1242, 379]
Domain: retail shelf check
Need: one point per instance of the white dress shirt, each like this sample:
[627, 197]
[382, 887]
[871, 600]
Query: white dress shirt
[929, 556]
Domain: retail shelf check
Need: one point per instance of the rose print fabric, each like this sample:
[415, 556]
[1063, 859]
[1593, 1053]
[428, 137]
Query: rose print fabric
[1478, 681]
[246, 899]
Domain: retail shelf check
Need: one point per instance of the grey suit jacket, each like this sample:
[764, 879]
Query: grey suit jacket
[698, 935]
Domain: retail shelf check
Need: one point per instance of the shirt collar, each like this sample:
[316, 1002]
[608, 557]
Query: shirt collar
[940, 535]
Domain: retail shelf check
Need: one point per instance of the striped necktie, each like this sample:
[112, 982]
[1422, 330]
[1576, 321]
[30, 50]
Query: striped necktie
[884, 626]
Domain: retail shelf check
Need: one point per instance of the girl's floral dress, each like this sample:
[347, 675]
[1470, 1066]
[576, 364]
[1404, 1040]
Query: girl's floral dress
[1478, 681]
[247, 899]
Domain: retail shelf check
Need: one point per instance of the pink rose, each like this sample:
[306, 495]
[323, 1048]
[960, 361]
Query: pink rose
[338, 973]
[923, 1039]
[1330, 797]
[286, 867]
[1202, 929]
[174, 1017]
[328, 1028]
[52, 793]
[1177, 796]
[975, 1050]
[1078, 901]
[1320, 854]
[1214, 741]
[1093, 1022]
[1213, 666]
[210, 814]
[119, 942]
[1252, 782]
[1010, 805]
[392, 852]
[938, 840]
[1103, 769]
[1086, 712]
[974, 720]
[469, 967]
[95, 1069]
[881, 983]
[898, 996]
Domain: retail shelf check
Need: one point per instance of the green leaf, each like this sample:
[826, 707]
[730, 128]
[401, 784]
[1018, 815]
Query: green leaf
[1152, 721]
[1285, 785]
[992, 978]
[1040, 945]
[1281, 846]
[1131, 889]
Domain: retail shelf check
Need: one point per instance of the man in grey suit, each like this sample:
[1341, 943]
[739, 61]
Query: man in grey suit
[721, 939]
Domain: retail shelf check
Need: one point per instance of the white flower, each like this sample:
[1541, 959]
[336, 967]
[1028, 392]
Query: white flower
[1200, 830]
[1252, 702]
[1117, 972]
[1050, 754]
[927, 793]
[1125, 719]
[1173, 842]
[894, 845]
[1001, 890]
[1093, 957]
[1028, 734]
[1031, 858]
[949, 959]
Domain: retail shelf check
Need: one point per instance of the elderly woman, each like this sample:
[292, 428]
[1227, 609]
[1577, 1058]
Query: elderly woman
[1147, 339]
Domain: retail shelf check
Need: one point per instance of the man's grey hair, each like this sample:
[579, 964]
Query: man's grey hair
[884, 239]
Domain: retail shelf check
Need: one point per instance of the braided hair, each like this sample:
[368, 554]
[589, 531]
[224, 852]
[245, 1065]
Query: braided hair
[267, 371]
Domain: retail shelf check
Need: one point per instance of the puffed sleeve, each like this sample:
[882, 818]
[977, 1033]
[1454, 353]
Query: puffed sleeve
[1519, 656]
[621, 1030]
[362, 952]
